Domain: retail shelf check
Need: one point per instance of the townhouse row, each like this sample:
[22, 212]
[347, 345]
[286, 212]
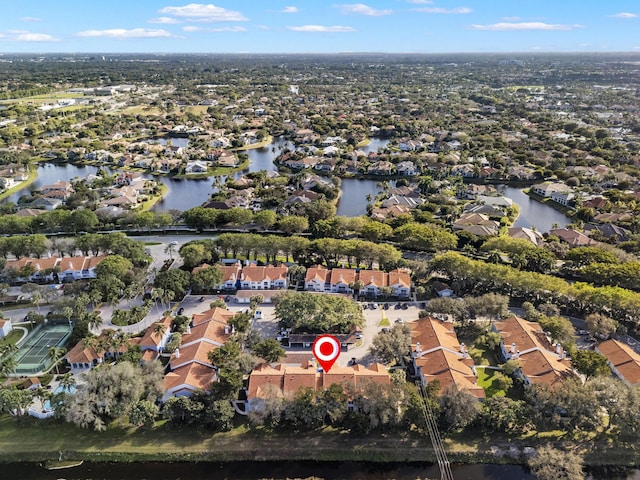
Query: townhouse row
[371, 283]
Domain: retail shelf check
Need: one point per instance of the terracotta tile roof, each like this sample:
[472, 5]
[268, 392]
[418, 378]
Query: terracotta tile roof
[342, 275]
[440, 358]
[400, 277]
[526, 335]
[217, 313]
[432, 333]
[450, 369]
[230, 273]
[374, 278]
[152, 338]
[544, 367]
[72, 264]
[196, 352]
[254, 273]
[81, 354]
[149, 356]
[623, 358]
[317, 273]
[285, 381]
[214, 331]
[64, 263]
[200, 267]
[194, 376]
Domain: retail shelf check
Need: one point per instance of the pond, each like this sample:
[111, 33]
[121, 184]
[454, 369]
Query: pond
[532, 212]
[183, 194]
[353, 196]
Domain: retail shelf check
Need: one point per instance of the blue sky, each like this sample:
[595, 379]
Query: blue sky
[315, 26]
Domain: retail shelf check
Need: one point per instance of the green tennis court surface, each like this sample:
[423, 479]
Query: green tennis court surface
[32, 356]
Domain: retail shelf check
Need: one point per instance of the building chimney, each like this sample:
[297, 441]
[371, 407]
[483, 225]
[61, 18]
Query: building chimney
[463, 349]
[517, 355]
[226, 329]
[188, 329]
[177, 353]
[558, 348]
[465, 355]
[418, 347]
[513, 348]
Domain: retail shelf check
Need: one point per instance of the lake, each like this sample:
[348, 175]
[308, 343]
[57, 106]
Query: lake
[532, 212]
[183, 194]
[353, 196]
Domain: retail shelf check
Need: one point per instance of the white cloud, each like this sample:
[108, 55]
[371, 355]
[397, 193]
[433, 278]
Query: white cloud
[457, 10]
[191, 28]
[420, 2]
[31, 19]
[35, 37]
[290, 10]
[321, 28]
[124, 33]
[362, 9]
[27, 36]
[164, 20]
[204, 13]
[624, 15]
[510, 19]
[524, 26]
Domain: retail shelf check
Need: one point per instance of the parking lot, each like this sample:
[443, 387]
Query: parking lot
[268, 324]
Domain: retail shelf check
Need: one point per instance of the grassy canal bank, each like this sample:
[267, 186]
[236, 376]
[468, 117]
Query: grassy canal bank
[31, 440]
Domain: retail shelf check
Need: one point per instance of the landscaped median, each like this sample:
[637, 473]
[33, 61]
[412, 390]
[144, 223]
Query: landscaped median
[31, 440]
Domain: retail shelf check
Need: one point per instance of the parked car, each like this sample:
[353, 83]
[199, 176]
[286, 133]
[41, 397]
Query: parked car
[405, 306]
[258, 314]
[180, 311]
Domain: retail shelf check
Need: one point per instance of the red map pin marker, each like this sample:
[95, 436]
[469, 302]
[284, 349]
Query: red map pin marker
[326, 349]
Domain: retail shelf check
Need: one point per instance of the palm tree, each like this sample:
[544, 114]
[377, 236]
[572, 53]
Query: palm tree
[54, 354]
[159, 328]
[8, 366]
[43, 395]
[95, 297]
[167, 296]
[67, 381]
[94, 321]
[68, 313]
[170, 249]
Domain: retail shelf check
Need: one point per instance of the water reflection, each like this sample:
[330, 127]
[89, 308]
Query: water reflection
[534, 213]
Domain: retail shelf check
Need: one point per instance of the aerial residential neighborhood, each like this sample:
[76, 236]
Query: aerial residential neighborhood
[174, 245]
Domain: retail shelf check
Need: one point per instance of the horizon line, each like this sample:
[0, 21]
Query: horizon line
[329, 53]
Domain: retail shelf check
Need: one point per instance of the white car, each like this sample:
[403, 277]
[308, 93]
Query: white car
[174, 243]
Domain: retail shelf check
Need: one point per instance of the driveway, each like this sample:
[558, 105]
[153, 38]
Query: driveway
[373, 319]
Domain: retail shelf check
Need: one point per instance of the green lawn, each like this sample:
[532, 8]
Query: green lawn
[28, 439]
[486, 381]
[12, 338]
[35, 440]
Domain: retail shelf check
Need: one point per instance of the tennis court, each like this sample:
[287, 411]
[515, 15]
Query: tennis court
[32, 356]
